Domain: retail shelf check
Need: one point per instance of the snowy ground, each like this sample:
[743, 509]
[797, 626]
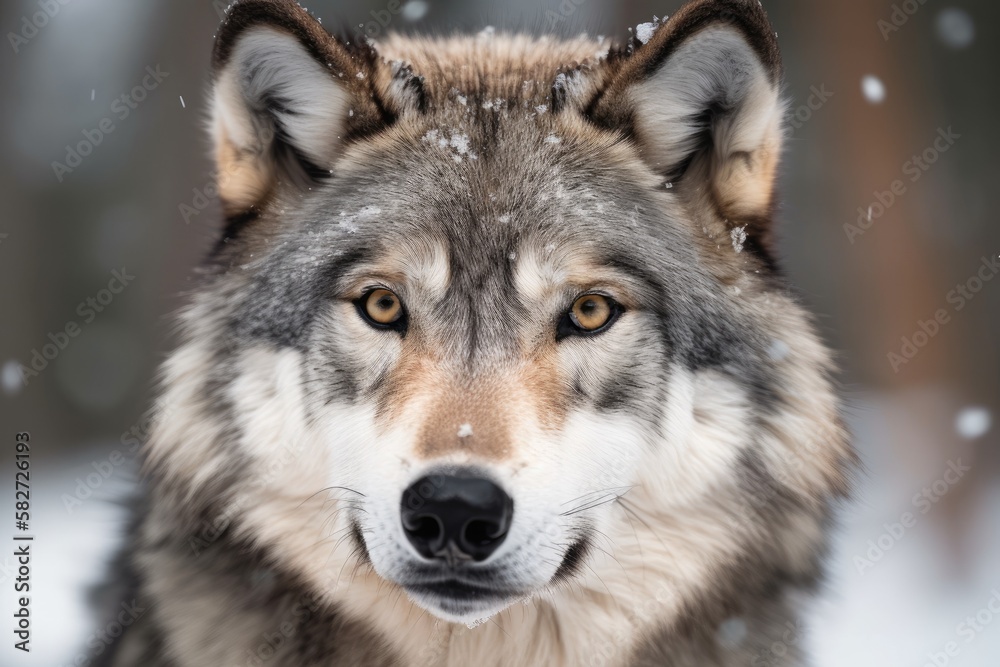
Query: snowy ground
[908, 606]
[69, 555]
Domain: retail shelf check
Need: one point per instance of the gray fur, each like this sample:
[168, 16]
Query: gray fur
[537, 156]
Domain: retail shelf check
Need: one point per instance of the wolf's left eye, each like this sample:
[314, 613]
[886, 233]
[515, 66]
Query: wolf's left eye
[381, 308]
[590, 314]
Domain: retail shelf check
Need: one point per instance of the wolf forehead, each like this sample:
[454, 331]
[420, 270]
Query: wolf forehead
[489, 69]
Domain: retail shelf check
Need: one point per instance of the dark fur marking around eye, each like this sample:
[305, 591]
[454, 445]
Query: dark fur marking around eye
[280, 310]
[706, 337]
[631, 387]
[722, 345]
[615, 396]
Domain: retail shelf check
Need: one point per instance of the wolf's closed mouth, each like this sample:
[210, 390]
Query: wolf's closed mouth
[460, 590]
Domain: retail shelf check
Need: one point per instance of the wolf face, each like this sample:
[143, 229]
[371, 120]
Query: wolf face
[495, 318]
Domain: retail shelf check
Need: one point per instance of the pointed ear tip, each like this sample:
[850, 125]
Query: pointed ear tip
[748, 16]
[244, 14]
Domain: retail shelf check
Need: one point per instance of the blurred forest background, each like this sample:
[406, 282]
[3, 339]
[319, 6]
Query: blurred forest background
[888, 222]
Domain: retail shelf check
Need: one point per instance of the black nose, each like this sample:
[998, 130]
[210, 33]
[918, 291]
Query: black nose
[456, 518]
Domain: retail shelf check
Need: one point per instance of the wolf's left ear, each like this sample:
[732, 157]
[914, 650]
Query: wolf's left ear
[701, 97]
[288, 97]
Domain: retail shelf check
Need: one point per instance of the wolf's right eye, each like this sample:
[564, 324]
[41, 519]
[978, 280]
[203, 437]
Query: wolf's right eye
[590, 314]
[381, 308]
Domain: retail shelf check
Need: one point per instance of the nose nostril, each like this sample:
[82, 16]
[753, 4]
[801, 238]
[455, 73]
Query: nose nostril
[480, 533]
[424, 527]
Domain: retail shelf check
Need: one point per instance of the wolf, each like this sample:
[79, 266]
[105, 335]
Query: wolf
[493, 363]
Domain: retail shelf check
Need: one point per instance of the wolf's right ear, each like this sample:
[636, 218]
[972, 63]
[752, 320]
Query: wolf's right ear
[286, 98]
[700, 96]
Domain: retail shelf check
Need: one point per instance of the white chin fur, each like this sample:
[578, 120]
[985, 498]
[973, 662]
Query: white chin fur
[466, 612]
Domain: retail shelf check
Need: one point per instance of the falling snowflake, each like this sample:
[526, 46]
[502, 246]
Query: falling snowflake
[955, 28]
[415, 10]
[11, 377]
[973, 422]
[465, 430]
[873, 89]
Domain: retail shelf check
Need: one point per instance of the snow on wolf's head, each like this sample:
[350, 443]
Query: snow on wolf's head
[480, 298]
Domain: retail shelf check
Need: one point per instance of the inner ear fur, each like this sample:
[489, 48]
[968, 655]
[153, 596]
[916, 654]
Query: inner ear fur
[287, 96]
[702, 101]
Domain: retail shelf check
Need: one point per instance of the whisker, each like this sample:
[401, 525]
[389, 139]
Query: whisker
[593, 493]
[603, 500]
[608, 497]
[342, 488]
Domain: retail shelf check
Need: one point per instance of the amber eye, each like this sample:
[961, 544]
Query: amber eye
[590, 314]
[381, 308]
